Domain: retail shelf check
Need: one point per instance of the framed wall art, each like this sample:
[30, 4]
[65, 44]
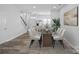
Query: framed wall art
[71, 17]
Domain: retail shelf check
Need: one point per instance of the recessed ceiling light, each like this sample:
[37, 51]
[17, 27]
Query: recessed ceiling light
[34, 6]
[54, 7]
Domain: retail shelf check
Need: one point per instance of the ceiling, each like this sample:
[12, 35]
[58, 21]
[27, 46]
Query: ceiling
[32, 7]
[39, 7]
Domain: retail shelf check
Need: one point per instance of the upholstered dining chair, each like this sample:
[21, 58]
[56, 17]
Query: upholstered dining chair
[59, 36]
[34, 35]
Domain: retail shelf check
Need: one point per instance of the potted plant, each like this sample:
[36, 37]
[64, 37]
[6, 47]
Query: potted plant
[56, 24]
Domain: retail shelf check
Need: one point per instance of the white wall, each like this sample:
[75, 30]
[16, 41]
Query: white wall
[55, 14]
[11, 26]
[72, 32]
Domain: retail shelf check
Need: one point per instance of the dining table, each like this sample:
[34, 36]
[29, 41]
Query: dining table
[47, 39]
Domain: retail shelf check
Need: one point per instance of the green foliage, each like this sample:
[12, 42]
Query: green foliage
[56, 24]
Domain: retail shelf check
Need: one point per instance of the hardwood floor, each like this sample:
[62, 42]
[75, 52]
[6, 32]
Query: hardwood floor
[20, 45]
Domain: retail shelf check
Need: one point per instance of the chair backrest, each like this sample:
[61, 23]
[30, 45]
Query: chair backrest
[59, 30]
[37, 28]
[62, 32]
[33, 32]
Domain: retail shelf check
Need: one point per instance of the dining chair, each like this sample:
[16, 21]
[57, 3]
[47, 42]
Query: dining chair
[34, 35]
[59, 36]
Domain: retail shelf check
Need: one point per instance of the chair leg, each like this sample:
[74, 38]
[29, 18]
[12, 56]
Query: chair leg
[40, 43]
[53, 41]
[31, 43]
[61, 42]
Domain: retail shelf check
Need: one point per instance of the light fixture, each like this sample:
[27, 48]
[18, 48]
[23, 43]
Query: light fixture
[54, 7]
[33, 17]
[34, 6]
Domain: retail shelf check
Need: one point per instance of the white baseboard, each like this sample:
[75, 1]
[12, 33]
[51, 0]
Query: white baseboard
[77, 49]
[70, 45]
[12, 38]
